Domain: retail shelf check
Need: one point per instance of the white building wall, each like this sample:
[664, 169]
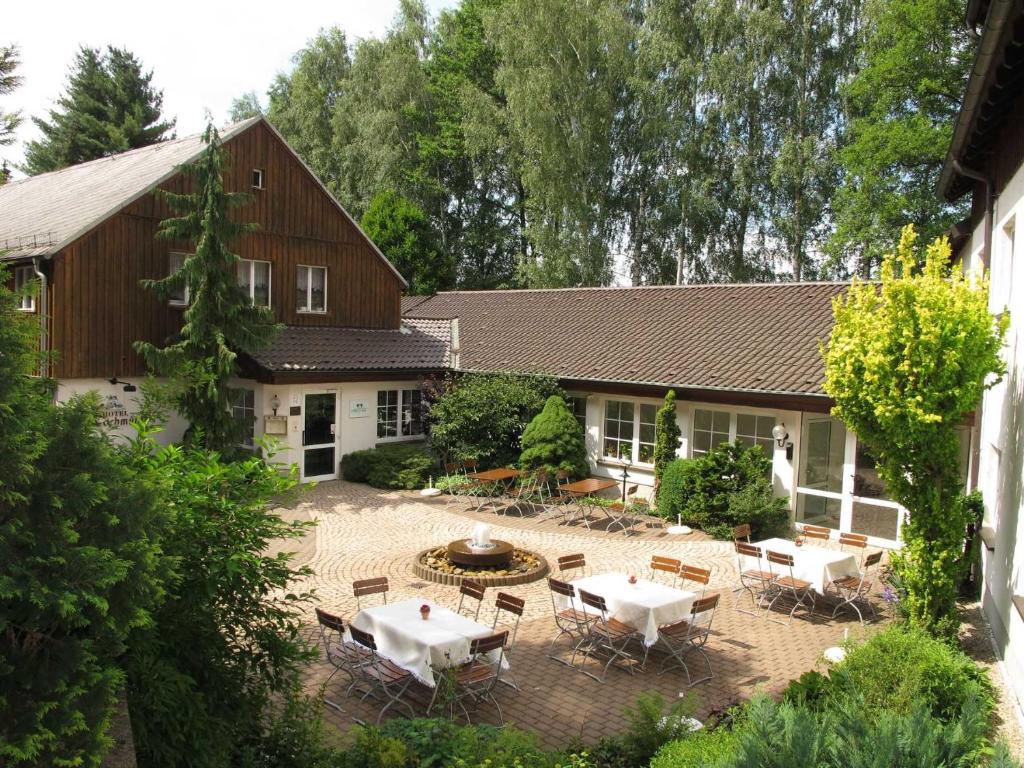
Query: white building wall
[119, 406]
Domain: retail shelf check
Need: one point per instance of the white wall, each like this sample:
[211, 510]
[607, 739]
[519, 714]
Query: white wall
[121, 406]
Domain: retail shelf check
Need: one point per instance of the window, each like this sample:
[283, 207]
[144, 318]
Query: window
[23, 276]
[254, 279]
[756, 430]
[243, 410]
[624, 421]
[311, 289]
[578, 405]
[179, 296]
[710, 428]
[257, 178]
[399, 413]
[645, 449]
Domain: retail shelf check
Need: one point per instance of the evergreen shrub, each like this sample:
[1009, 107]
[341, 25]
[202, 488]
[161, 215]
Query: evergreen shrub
[554, 441]
[396, 465]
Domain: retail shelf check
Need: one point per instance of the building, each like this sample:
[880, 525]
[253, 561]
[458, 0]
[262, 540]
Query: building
[986, 161]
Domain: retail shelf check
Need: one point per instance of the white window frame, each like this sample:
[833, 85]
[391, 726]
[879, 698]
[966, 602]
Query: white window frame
[400, 403]
[260, 184]
[238, 413]
[171, 300]
[22, 277]
[307, 309]
[734, 414]
[635, 442]
[571, 399]
[730, 435]
[251, 264]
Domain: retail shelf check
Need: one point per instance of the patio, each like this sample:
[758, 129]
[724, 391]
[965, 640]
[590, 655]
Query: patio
[363, 532]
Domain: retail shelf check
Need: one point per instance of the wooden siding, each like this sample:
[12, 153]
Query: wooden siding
[99, 309]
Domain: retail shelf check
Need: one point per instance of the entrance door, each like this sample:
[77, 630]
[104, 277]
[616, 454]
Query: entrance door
[319, 440]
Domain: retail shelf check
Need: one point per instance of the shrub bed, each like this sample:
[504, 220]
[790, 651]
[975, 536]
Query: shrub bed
[397, 465]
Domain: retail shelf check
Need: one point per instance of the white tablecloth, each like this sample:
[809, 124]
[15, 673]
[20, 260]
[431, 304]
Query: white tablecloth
[645, 605]
[817, 565]
[417, 645]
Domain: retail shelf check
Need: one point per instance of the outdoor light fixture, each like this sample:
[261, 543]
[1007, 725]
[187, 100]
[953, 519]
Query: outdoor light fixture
[275, 403]
[128, 386]
[781, 436]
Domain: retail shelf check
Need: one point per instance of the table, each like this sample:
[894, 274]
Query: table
[644, 606]
[581, 489]
[817, 565]
[421, 646]
[502, 477]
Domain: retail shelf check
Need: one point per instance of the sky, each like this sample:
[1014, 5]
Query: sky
[203, 53]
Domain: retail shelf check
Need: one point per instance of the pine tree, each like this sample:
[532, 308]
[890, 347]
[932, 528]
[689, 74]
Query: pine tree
[9, 121]
[109, 106]
[667, 435]
[220, 321]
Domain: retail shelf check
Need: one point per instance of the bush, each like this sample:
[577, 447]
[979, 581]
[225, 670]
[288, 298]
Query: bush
[554, 441]
[668, 436]
[650, 727]
[482, 416]
[727, 486]
[703, 749]
[396, 465]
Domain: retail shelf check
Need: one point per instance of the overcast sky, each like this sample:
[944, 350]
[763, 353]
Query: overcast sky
[203, 53]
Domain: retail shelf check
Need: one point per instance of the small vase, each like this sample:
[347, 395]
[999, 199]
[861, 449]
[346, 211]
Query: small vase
[424, 615]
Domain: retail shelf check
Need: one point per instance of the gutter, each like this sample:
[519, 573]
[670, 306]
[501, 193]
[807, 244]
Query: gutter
[990, 207]
[44, 344]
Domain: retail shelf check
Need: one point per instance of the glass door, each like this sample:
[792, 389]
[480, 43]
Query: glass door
[819, 492]
[320, 411]
[872, 512]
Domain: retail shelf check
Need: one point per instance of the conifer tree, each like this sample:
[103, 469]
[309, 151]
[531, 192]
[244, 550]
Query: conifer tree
[553, 440]
[220, 320]
[667, 437]
[109, 106]
[9, 121]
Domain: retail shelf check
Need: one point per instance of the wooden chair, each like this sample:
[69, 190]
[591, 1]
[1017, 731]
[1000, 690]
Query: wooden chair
[854, 591]
[474, 590]
[508, 611]
[477, 678]
[382, 675]
[698, 576]
[606, 637]
[687, 635]
[375, 586]
[575, 562]
[523, 493]
[785, 585]
[816, 532]
[571, 623]
[855, 540]
[741, 533]
[669, 565]
[345, 656]
[755, 581]
[455, 472]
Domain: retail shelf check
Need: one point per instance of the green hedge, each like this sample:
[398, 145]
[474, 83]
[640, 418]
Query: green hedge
[395, 465]
[727, 486]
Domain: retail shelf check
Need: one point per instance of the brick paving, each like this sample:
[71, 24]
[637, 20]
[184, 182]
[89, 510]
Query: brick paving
[364, 532]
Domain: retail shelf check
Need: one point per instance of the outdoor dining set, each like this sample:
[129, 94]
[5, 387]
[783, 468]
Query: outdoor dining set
[545, 494]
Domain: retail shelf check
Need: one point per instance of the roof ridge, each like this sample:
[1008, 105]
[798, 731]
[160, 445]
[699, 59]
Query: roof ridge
[779, 284]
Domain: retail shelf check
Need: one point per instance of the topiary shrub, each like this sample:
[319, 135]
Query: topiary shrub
[727, 486]
[668, 436]
[400, 465]
[554, 441]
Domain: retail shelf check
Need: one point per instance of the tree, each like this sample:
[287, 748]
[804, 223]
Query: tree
[403, 232]
[220, 320]
[903, 102]
[553, 440]
[79, 562]
[905, 364]
[245, 106]
[668, 436]
[9, 121]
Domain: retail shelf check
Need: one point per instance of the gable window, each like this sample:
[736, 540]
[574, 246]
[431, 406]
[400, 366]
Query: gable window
[399, 413]
[243, 410]
[311, 289]
[629, 431]
[178, 297]
[254, 279]
[257, 178]
[23, 276]
[710, 429]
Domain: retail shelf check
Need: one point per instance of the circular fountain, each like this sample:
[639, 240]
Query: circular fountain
[491, 562]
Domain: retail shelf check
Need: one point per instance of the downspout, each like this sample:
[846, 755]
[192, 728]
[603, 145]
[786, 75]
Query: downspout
[990, 207]
[44, 343]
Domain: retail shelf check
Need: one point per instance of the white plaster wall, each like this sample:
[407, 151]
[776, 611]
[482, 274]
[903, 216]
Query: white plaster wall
[132, 401]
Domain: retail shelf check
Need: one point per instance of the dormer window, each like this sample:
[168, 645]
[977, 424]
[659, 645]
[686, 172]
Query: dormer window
[257, 178]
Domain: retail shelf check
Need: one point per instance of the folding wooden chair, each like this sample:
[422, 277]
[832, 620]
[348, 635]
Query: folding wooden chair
[688, 635]
[454, 472]
[856, 541]
[508, 611]
[854, 590]
[375, 586]
[697, 576]
[474, 590]
[523, 493]
[755, 581]
[571, 622]
[607, 636]
[478, 677]
[343, 655]
[741, 533]
[575, 562]
[785, 585]
[816, 532]
[669, 565]
[382, 675]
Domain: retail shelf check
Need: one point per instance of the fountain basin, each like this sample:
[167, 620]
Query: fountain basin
[497, 555]
[521, 567]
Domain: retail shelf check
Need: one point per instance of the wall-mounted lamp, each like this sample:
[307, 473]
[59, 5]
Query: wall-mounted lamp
[275, 403]
[781, 436]
[128, 386]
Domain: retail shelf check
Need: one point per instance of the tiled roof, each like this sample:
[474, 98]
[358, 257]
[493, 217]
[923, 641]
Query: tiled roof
[417, 345]
[757, 337]
[41, 214]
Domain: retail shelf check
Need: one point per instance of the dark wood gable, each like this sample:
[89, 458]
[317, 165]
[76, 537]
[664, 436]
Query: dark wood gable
[98, 308]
